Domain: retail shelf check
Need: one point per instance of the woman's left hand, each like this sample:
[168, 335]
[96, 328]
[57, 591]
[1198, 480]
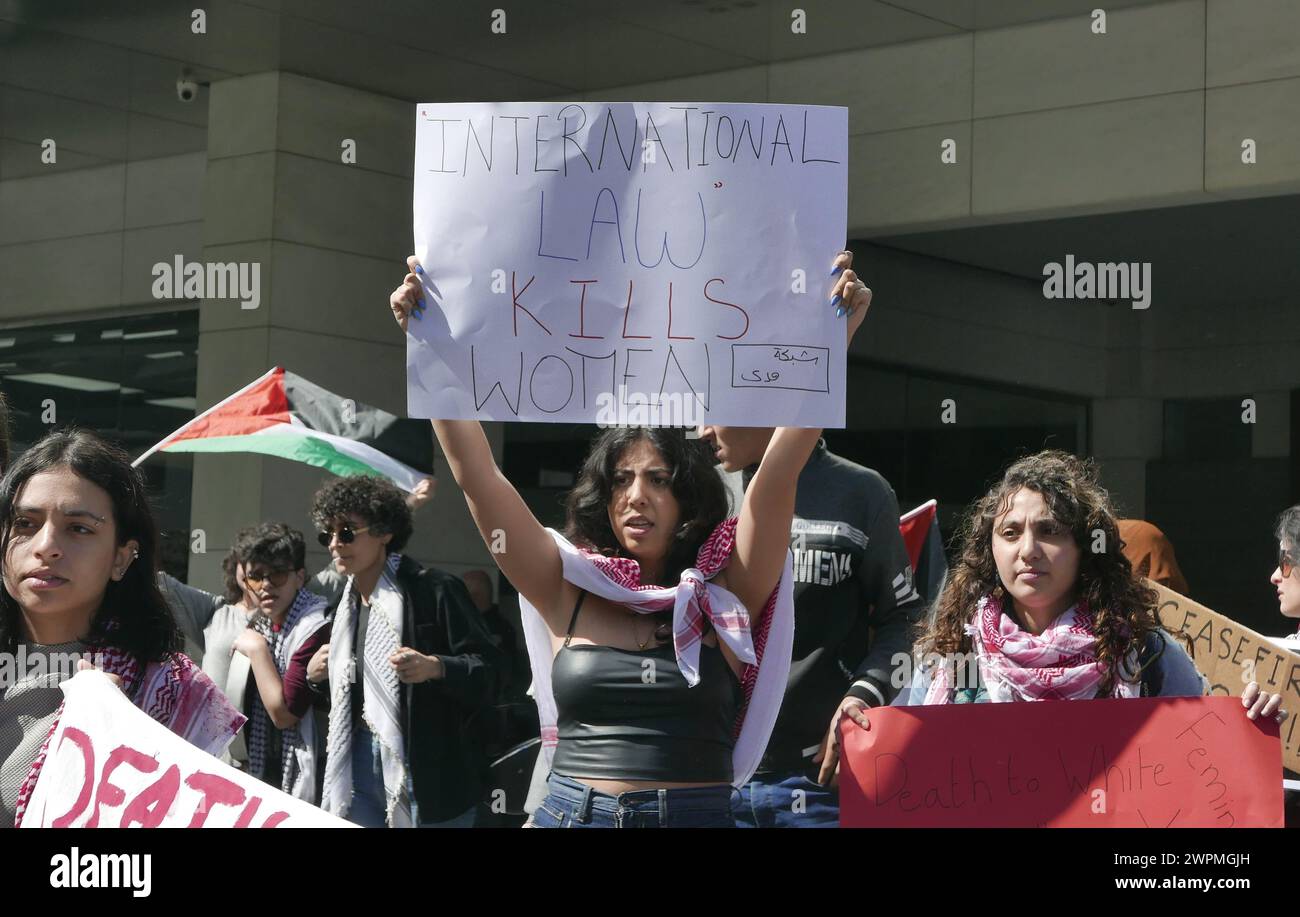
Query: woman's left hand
[250, 642]
[413, 667]
[1258, 703]
[850, 297]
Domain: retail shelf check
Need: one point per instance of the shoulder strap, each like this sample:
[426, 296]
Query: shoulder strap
[582, 594]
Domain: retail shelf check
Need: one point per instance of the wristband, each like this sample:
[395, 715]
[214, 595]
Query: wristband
[867, 692]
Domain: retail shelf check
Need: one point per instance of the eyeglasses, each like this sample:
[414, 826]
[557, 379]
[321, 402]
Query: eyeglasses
[347, 535]
[276, 578]
[1285, 563]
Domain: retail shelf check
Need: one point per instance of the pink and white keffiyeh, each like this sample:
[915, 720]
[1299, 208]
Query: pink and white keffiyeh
[175, 692]
[1015, 665]
[766, 653]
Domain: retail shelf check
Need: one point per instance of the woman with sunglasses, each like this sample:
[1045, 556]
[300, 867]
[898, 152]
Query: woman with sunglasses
[1285, 577]
[79, 548]
[408, 663]
[659, 630]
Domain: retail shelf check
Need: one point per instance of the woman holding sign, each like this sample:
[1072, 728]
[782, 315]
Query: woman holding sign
[1043, 605]
[80, 580]
[659, 631]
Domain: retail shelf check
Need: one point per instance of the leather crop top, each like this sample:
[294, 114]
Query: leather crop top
[630, 715]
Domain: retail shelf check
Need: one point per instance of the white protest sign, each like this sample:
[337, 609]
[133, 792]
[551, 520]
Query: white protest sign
[629, 263]
[111, 766]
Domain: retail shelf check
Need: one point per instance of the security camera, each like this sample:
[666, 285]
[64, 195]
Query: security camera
[186, 89]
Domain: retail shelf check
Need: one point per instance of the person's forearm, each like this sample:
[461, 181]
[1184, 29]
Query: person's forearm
[466, 448]
[271, 690]
[787, 452]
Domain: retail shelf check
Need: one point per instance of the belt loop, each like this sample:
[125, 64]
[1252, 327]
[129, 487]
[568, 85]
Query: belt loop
[663, 808]
[584, 807]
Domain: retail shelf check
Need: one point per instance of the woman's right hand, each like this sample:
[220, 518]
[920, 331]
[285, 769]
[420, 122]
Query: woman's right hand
[408, 299]
[318, 667]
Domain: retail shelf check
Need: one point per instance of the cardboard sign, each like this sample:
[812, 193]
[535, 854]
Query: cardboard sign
[111, 766]
[1149, 762]
[653, 264]
[1230, 656]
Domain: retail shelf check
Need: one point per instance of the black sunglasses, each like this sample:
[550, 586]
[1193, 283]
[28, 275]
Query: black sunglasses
[347, 535]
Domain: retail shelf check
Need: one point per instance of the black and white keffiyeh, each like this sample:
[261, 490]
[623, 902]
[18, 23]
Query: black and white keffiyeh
[380, 697]
[305, 616]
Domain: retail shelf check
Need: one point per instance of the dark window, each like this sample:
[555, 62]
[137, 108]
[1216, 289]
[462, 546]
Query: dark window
[132, 380]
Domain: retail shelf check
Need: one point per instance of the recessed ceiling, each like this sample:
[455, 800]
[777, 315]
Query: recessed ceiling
[1226, 252]
[447, 50]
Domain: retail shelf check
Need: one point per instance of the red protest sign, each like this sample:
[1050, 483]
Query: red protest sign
[1149, 762]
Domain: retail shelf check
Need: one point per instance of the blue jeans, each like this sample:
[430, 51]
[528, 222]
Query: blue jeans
[786, 801]
[369, 806]
[571, 804]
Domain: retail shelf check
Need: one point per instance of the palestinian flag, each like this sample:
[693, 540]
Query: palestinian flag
[283, 414]
[924, 542]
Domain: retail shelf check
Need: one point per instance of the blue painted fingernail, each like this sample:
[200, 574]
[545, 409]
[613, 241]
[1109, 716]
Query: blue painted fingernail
[835, 300]
[839, 313]
[419, 270]
[417, 315]
[837, 269]
[420, 302]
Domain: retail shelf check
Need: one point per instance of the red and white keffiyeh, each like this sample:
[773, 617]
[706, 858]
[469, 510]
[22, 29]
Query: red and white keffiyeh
[1058, 664]
[766, 653]
[175, 692]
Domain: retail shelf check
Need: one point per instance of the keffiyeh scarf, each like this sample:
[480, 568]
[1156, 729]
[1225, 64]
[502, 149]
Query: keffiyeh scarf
[175, 692]
[766, 653]
[1058, 664]
[380, 698]
[308, 609]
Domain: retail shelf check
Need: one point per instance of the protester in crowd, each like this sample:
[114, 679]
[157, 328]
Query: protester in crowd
[855, 610]
[408, 663]
[289, 625]
[329, 582]
[514, 668]
[211, 625]
[1151, 554]
[645, 520]
[1051, 610]
[80, 577]
[1285, 577]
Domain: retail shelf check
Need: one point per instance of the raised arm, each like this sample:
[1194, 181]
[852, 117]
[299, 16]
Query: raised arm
[519, 544]
[763, 529]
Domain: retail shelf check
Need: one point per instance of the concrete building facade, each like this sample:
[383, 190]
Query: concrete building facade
[987, 141]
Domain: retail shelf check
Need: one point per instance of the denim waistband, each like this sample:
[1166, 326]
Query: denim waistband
[696, 797]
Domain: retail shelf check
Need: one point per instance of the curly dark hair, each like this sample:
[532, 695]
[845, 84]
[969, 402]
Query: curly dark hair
[134, 616]
[376, 500]
[1287, 531]
[229, 572]
[699, 491]
[1123, 609]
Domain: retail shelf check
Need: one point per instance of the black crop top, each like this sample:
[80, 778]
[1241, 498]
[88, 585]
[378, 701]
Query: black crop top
[629, 715]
